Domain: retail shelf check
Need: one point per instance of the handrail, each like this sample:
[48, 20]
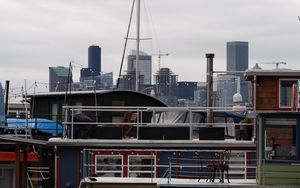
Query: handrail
[187, 119]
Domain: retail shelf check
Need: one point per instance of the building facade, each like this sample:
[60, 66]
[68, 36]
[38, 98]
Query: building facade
[185, 90]
[237, 60]
[166, 86]
[200, 94]
[94, 59]
[145, 66]
[275, 103]
[224, 95]
[59, 78]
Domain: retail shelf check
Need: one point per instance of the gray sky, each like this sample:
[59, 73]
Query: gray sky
[36, 34]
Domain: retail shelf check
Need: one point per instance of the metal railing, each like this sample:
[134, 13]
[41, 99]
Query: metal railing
[108, 116]
[241, 167]
[37, 176]
[195, 167]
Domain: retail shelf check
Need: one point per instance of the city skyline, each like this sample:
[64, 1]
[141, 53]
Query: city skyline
[36, 35]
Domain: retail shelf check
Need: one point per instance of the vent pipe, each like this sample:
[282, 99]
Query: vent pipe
[209, 80]
[6, 97]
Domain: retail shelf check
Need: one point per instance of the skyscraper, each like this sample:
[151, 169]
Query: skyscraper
[94, 60]
[166, 86]
[58, 78]
[145, 66]
[237, 60]
[225, 95]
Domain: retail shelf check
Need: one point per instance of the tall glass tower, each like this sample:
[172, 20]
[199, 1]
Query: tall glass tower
[94, 60]
[237, 60]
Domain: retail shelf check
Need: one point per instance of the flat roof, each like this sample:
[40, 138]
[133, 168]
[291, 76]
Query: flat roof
[134, 143]
[250, 73]
[23, 141]
[174, 182]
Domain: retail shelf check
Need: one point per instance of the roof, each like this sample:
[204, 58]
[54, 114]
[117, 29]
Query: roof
[63, 93]
[237, 43]
[60, 71]
[250, 73]
[98, 92]
[133, 143]
[254, 114]
[23, 141]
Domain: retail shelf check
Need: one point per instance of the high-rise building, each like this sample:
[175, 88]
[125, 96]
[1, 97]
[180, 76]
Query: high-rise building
[224, 94]
[185, 90]
[200, 94]
[58, 78]
[100, 82]
[166, 86]
[85, 72]
[237, 60]
[94, 59]
[145, 66]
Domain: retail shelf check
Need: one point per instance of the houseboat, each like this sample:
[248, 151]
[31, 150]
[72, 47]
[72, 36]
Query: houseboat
[275, 98]
[127, 134]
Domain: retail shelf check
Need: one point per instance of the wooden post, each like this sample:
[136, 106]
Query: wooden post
[17, 167]
[24, 168]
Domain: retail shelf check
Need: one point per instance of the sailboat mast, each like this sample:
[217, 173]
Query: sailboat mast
[137, 81]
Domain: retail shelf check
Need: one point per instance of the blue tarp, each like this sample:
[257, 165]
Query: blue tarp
[43, 125]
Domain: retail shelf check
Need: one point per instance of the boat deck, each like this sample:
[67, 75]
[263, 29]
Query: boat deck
[164, 182]
[151, 143]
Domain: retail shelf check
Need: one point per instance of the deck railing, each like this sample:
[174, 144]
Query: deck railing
[195, 167]
[131, 119]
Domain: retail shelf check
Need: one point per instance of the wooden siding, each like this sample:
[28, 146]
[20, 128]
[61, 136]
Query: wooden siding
[267, 93]
[278, 174]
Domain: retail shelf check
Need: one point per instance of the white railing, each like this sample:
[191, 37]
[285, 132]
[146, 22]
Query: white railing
[195, 167]
[36, 176]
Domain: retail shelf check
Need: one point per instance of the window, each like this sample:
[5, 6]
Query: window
[54, 111]
[1, 173]
[280, 139]
[141, 166]
[286, 92]
[78, 110]
[109, 165]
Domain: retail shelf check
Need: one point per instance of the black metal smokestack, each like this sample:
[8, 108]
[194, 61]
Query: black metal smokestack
[209, 80]
[6, 97]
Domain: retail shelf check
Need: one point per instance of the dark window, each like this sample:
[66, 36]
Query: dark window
[142, 166]
[109, 166]
[280, 139]
[286, 92]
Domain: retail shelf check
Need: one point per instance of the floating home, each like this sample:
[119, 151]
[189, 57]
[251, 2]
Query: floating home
[275, 99]
[127, 134]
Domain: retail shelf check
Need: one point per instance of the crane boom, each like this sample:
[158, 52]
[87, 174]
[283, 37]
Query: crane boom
[159, 54]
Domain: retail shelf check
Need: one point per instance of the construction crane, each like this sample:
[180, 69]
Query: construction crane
[276, 63]
[159, 54]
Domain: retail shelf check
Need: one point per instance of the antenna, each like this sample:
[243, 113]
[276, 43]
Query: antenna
[276, 63]
[159, 54]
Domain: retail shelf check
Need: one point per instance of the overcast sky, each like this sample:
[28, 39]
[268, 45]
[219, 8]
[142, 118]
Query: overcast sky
[37, 34]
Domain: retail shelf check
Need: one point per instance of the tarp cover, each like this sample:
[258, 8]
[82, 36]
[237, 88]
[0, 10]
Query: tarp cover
[43, 125]
[177, 117]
